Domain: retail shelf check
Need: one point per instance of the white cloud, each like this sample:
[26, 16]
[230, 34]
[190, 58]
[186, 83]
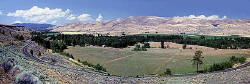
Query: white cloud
[1, 12]
[84, 17]
[41, 15]
[17, 21]
[212, 17]
[99, 18]
[71, 17]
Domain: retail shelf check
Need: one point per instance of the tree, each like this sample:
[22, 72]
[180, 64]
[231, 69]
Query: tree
[184, 46]
[162, 44]
[143, 48]
[197, 59]
[140, 48]
[99, 67]
[137, 48]
[168, 72]
[202, 37]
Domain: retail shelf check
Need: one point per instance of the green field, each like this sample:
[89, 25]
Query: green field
[125, 62]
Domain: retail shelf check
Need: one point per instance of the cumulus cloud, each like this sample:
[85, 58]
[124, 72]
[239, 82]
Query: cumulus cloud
[71, 17]
[84, 17]
[17, 21]
[41, 15]
[1, 12]
[212, 17]
[99, 18]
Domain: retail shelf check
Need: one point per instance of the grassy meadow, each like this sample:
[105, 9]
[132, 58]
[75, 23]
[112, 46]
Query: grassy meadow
[124, 62]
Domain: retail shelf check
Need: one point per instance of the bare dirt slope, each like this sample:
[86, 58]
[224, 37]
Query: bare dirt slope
[153, 24]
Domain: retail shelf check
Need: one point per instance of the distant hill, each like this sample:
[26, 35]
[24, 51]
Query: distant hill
[10, 32]
[35, 26]
[164, 25]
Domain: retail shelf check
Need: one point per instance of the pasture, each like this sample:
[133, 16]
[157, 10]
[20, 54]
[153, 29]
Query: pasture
[124, 62]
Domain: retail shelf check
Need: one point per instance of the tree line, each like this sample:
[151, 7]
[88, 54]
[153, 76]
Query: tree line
[61, 41]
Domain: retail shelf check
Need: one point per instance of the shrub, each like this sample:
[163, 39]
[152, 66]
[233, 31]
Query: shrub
[143, 48]
[236, 60]
[99, 68]
[67, 54]
[168, 72]
[27, 78]
[139, 48]
[85, 63]
[146, 45]
[220, 66]
[242, 60]
[224, 65]
[184, 46]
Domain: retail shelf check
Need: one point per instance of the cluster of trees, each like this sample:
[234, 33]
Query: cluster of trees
[57, 46]
[97, 67]
[124, 41]
[236, 60]
[219, 66]
[198, 60]
[220, 43]
[141, 48]
[225, 65]
[54, 45]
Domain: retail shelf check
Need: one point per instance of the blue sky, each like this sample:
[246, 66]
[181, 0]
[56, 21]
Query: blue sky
[89, 10]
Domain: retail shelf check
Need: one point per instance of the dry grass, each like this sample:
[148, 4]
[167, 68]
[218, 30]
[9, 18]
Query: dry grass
[154, 61]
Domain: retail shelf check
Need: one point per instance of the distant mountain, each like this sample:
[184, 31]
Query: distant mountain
[35, 26]
[165, 25]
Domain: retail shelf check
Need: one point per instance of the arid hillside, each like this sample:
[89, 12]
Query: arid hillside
[11, 33]
[165, 25]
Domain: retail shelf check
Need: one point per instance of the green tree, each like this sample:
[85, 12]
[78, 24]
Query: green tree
[184, 46]
[197, 59]
[137, 48]
[162, 44]
[146, 45]
[168, 72]
[143, 48]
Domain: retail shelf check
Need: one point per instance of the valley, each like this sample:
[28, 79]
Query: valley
[154, 61]
[73, 57]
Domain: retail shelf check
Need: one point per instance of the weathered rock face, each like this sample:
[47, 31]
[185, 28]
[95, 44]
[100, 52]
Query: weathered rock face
[153, 24]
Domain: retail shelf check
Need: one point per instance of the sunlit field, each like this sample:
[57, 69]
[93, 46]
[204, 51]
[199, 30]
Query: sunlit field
[124, 62]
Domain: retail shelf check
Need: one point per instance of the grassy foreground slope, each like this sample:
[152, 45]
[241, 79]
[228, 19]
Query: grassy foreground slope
[125, 62]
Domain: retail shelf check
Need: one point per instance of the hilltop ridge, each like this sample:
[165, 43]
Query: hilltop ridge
[164, 25]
